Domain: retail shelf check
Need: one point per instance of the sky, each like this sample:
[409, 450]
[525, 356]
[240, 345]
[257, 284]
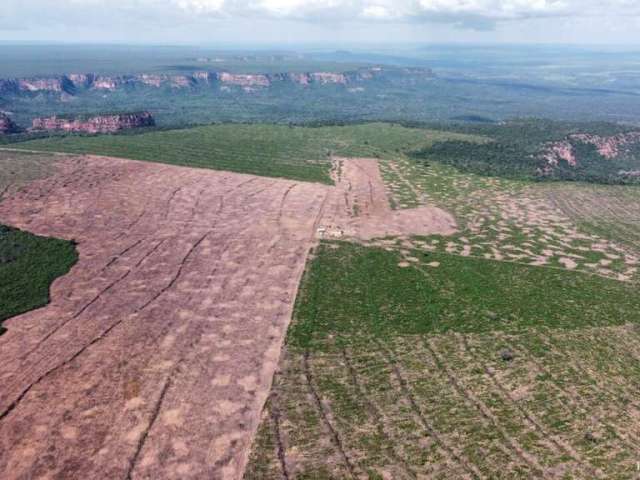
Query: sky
[330, 22]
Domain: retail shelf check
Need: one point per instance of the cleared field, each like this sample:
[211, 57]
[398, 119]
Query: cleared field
[182, 293]
[453, 368]
[165, 337]
[610, 211]
[300, 153]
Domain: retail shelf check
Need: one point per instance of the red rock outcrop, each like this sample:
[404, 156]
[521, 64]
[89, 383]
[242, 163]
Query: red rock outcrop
[97, 124]
[151, 80]
[55, 84]
[181, 81]
[244, 80]
[7, 125]
[107, 83]
[324, 78]
[299, 78]
[556, 152]
[157, 81]
[81, 80]
[75, 83]
[608, 147]
[202, 76]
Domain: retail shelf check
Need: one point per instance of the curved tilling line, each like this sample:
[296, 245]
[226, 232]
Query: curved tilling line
[282, 452]
[485, 411]
[376, 415]
[133, 461]
[528, 416]
[576, 400]
[335, 437]
[406, 391]
[77, 314]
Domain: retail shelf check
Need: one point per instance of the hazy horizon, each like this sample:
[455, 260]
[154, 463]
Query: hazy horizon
[335, 22]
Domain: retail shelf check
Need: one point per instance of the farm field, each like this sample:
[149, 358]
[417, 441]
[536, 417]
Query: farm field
[300, 153]
[610, 211]
[505, 350]
[466, 369]
[448, 325]
[183, 291]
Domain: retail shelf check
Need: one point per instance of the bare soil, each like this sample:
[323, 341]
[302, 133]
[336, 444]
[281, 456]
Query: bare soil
[358, 207]
[157, 352]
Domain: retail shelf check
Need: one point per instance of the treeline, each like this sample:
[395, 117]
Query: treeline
[491, 159]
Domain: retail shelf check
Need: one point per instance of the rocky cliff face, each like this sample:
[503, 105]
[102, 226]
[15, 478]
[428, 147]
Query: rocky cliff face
[325, 78]
[97, 124]
[7, 125]
[257, 80]
[57, 84]
[609, 148]
[556, 153]
[76, 83]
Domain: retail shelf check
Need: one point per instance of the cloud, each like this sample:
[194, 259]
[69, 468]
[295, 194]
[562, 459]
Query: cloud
[411, 10]
[479, 15]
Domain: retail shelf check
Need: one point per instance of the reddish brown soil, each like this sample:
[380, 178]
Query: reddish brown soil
[358, 207]
[157, 352]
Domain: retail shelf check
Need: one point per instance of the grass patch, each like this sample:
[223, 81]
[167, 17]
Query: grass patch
[354, 290]
[28, 266]
[410, 378]
[17, 169]
[301, 153]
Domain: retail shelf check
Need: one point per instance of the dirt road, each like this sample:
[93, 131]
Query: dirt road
[157, 352]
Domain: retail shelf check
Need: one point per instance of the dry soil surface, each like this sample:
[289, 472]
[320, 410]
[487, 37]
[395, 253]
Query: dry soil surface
[358, 207]
[157, 351]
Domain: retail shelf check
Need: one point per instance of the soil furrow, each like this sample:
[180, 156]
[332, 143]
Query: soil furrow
[426, 424]
[335, 437]
[561, 445]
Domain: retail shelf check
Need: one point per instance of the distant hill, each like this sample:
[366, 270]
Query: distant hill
[545, 150]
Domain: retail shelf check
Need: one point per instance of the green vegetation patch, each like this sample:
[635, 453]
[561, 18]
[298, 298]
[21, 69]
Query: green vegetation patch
[301, 153]
[517, 151]
[351, 290]
[452, 367]
[610, 211]
[28, 266]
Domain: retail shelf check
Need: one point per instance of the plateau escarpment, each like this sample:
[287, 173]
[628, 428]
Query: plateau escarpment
[7, 125]
[95, 124]
[75, 83]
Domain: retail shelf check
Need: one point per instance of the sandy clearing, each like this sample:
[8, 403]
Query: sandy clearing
[358, 207]
[157, 352]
